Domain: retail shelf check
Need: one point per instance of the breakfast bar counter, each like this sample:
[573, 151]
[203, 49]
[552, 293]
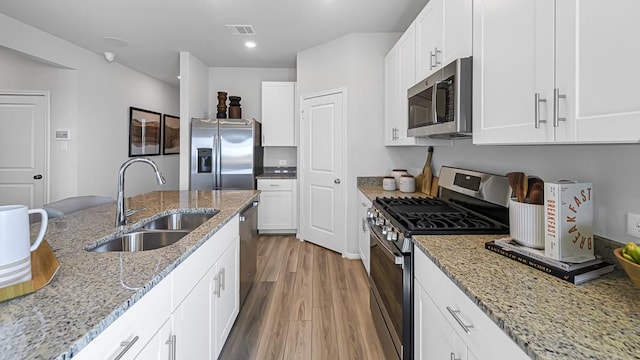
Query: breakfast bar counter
[91, 290]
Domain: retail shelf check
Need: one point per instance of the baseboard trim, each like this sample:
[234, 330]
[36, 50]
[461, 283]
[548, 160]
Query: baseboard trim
[273, 232]
[351, 256]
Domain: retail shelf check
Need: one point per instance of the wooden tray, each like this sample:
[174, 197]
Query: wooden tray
[44, 266]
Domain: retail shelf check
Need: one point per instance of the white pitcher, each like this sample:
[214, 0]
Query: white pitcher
[15, 243]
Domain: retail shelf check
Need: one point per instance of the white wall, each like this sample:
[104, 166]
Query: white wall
[614, 171]
[194, 96]
[247, 83]
[356, 62]
[21, 73]
[93, 97]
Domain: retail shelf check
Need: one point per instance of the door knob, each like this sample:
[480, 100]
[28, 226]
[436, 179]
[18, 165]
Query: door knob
[37, 177]
[337, 181]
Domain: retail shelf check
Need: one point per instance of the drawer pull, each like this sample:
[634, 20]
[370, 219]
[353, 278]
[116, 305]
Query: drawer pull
[127, 345]
[274, 185]
[464, 326]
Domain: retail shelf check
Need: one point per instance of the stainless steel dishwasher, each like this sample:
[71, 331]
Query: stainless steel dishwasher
[248, 248]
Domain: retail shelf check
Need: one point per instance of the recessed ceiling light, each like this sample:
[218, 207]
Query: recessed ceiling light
[250, 44]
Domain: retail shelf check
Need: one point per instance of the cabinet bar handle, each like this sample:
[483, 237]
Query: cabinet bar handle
[127, 345]
[216, 285]
[464, 326]
[537, 120]
[172, 347]
[556, 107]
[431, 57]
[436, 57]
[222, 279]
[275, 185]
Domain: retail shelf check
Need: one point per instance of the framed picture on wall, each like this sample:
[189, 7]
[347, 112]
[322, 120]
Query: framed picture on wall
[144, 132]
[171, 144]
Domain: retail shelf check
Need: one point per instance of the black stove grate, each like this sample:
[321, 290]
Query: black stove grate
[423, 216]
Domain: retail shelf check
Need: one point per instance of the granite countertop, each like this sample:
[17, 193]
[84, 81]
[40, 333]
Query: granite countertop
[92, 289]
[547, 317]
[277, 176]
[374, 191]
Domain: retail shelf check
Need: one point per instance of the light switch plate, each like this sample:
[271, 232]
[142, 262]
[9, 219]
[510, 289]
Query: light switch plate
[63, 134]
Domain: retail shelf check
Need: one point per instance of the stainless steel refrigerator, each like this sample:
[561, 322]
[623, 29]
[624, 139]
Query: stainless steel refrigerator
[225, 154]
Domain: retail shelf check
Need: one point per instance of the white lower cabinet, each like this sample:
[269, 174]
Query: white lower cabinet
[434, 337]
[225, 297]
[187, 315]
[449, 325]
[277, 209]
[363, 229]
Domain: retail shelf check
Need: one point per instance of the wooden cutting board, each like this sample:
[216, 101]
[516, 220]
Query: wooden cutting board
[427, 174]
[434, 187]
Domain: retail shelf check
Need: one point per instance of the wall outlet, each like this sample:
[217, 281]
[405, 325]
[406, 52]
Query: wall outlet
[282, 162]
[633, 225]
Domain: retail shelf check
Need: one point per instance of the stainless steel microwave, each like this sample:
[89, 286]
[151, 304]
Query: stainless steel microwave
[440, 105]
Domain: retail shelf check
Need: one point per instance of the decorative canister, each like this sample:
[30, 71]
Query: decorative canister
[388, 183]
[222, 105]
[235, 112]
[407, 183]
[396, 173]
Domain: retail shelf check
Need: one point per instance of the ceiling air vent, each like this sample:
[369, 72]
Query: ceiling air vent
[240, 29]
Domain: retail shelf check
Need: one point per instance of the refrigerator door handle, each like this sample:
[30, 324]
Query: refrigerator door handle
[219, 163]
[216, 150]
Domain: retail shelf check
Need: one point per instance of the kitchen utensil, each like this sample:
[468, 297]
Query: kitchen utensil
[531, 180]
[427, 174]
[15, 243]
[519, 183]
[536, 194]
[434, 186]
[407, 184]
[388, 183]
[419, 179]
[526, 224]
[632, 269]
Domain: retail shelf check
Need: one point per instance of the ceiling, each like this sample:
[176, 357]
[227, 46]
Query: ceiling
[153, 32]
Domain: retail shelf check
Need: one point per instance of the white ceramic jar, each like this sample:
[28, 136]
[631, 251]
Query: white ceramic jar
[396, 173]
[388, 183]
[407, 183]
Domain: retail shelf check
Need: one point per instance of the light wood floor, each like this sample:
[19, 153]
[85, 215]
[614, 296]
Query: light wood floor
[307, 303]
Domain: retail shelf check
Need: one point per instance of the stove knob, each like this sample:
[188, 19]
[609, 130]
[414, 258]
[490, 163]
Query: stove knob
[385, 230]
[394, 235]
[390, 234]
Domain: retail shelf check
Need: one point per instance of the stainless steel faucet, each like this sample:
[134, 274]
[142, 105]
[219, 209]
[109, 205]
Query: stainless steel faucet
[121, 214]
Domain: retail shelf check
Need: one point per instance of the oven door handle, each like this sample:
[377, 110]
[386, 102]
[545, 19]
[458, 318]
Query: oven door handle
[393, 255]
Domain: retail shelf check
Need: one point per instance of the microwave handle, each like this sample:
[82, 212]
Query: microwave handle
[434, 102]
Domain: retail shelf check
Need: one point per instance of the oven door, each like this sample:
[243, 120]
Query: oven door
[386, 281]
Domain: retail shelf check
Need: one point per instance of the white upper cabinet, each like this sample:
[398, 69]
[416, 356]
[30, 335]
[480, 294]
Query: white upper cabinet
[278, 113]
[443, 34]
[572, 80]
[597, 54]
[399, 76]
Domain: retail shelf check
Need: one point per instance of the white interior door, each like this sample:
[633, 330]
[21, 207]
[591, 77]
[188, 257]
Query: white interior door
[322, 151]
[23, 137]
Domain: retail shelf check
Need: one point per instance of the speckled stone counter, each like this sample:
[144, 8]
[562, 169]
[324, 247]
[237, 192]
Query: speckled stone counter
[92, 289]
[547, 317]
[373, 191]
[277, 176]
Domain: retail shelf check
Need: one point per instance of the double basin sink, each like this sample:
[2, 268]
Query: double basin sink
[156, 234]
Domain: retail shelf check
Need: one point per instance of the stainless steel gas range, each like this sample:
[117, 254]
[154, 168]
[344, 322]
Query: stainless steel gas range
[469, 202]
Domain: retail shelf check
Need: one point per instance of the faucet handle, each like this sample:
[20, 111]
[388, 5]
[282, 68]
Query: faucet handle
[134, 211]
